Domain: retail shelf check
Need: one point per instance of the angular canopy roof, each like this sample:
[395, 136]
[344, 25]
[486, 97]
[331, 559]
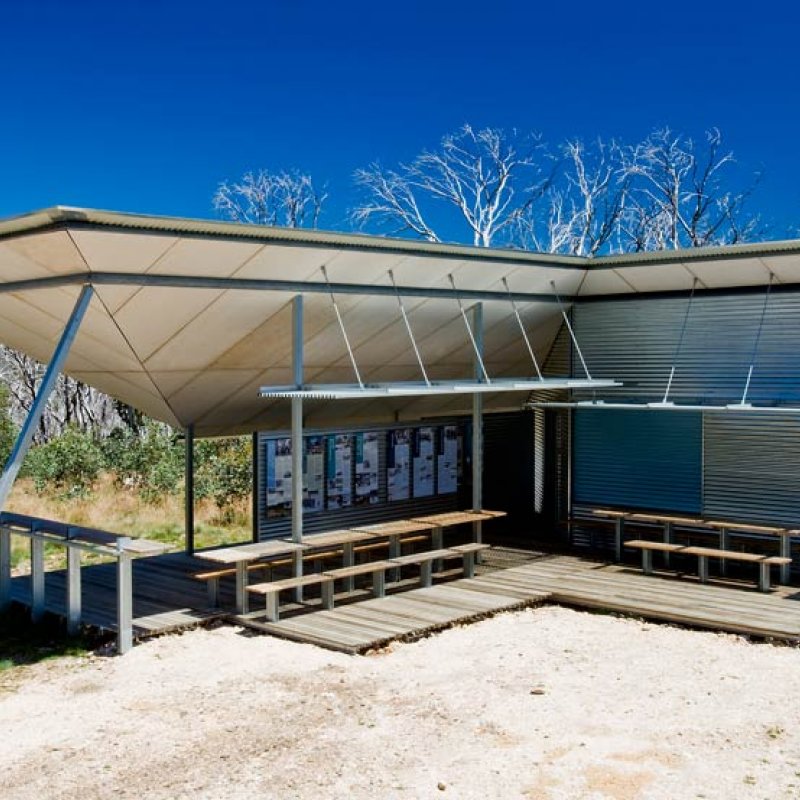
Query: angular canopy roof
[191, 318]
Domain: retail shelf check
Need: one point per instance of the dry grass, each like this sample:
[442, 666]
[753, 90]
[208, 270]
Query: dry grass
[123, 511]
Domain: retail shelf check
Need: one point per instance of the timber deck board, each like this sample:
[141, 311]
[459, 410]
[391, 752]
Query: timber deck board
[168, 598]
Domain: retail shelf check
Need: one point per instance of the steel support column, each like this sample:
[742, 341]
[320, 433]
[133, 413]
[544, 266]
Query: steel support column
[297, 437]
[31, 423]
[124, 598]
[188, 489]
[73, 589]
[5, 568]
[477, 423]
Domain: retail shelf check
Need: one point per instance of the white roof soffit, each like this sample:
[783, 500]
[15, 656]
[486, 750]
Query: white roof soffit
[191, 318]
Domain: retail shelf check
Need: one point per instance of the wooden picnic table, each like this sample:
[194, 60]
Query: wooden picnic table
[723, 527]
[394, 530]
[346, 539]
[451, 518]
[242, 555]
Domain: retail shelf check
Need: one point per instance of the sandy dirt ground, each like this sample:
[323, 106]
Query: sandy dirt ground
[547, 703]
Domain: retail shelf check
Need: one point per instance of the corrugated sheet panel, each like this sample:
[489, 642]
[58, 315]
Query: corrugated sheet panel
[636, 459]
[635, 340]
[752, 468]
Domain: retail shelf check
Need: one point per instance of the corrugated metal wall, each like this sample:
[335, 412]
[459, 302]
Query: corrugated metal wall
[636, 459]
[752, 468]
[634, 340]
[744, 466]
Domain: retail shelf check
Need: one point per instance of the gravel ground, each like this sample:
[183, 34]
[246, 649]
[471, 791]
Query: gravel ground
[546, 703]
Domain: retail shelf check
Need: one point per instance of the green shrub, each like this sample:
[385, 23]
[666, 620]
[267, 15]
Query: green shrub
[8, 431]
[69, 463]
[150, 460]
[223, 470]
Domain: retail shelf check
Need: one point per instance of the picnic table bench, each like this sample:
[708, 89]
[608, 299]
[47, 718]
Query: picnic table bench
[703, 555]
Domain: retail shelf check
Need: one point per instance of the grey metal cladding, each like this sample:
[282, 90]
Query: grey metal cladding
[635, 341]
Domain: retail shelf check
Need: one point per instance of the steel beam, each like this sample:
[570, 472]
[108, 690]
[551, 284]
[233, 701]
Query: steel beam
[25, 436]
[37, 577]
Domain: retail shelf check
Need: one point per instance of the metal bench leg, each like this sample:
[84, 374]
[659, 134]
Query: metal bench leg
[241, 587]
[618, 525]
[702, 568]
[763, 577]
[786, 552]
[124, 603]
[273, 615]
[426, 574]
[212, 586]
[667, 540]
[327, 595]
[724, 542]
[394, 552]
[647, 562]
[348, 560]
[469, 565]
[379, 583]
[297, 570]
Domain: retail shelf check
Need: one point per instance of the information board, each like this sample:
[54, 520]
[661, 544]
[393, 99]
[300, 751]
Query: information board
[398, 454]
[367, 488]
[423, 462]
[448, 460]
[339, 458]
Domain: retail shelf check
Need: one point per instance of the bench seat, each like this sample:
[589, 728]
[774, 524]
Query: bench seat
[703, 554]
[271, 589]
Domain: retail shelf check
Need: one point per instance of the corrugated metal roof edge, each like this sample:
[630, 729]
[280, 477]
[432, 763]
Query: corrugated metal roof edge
[58, 216]
[66, 216]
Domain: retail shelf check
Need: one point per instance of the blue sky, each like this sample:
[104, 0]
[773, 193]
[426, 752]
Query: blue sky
[146, 106]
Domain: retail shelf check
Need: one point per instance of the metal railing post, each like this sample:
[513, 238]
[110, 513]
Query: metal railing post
[124, 597]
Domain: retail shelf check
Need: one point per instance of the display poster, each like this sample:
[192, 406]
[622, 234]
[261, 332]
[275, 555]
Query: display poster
[313, 474]
[339, 458]
[279, 477]
[423, 462]
[398, 462]
[448, 460]
[367, 489]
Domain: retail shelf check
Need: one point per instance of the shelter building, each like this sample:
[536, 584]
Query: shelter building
[398, 374]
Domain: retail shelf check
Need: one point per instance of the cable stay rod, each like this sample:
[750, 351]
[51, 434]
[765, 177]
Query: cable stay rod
[679, 346]
[522, 331]
[743, 401]
[469, 331]
[571, 332]
[341, 327]
[410, 332]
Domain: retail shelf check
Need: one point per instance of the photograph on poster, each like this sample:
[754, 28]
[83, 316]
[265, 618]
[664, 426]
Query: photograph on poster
[398, 463]
[339, 461]
[279, 477]
[423, 462]
[447, 462]
[314, 474]
[367, 488]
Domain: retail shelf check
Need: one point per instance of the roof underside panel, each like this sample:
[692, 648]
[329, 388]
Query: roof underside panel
[200, 354]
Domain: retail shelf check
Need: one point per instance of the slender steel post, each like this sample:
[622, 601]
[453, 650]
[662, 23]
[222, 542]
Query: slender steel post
[254, 510]
[31, 423]
[37, 577]
[297, 437]
[477, 420]
[73, 589]
[5, 568]
[188, 490]
[124, 597]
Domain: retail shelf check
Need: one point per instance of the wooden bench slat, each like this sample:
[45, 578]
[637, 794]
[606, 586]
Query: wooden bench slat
[359, 569]
[428, 555]
[644, 544]
[471, 547]
[288, 583]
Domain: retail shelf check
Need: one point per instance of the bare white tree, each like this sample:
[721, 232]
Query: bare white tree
[488, 177]
[583, 205]
[683, 195]
[283, 198]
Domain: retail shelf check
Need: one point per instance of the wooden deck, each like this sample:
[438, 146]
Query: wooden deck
[167, 598]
